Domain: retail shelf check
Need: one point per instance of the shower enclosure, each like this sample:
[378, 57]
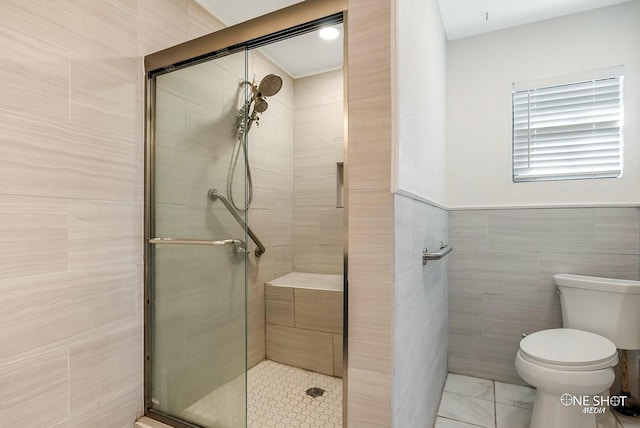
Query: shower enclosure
[197, 246]
[204, 99]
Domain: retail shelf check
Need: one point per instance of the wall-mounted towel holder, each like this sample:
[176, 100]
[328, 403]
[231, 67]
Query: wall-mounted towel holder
[444, 250]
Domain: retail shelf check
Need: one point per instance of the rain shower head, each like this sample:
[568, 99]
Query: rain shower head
[270, 85]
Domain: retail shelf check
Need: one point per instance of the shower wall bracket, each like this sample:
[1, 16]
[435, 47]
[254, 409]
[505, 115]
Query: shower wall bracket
[215, 194]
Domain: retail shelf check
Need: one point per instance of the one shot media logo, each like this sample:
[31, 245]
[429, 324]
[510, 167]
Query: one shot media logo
[592, 404]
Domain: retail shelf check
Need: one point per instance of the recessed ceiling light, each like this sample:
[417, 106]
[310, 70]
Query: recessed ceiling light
[329, 33]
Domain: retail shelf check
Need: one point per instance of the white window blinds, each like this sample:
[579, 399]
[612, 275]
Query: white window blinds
[570, 131]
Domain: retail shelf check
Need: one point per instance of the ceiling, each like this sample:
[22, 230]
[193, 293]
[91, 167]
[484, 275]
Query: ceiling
[308, 54]
[300, 56]
[463, 18]
[236, 11]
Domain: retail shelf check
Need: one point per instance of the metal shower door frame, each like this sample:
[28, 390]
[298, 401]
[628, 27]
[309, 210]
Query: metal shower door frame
[289, 22]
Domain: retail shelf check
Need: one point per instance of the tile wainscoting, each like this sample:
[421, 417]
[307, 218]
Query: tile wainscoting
[501, 275]
[420, 313]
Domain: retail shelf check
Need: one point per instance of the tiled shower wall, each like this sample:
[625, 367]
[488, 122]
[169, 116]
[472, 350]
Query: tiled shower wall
[271, 154]
[195, 139]
[319, 135]
[501, 275]
[199, 291]
[71, 204]
[370, 214]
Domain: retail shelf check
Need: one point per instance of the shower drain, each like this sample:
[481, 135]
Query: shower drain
[315, 392]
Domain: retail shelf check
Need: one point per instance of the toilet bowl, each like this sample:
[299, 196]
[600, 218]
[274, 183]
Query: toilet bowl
[598, 315]
[571, 369]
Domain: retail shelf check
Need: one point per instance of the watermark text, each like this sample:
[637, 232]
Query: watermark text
[592, 404]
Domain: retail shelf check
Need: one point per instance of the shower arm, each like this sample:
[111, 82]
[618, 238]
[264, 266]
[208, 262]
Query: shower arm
[216, 194]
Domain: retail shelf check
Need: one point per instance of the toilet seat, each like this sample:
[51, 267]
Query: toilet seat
[569, 349]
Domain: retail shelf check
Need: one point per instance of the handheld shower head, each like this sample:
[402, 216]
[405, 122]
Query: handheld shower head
[270, 85]
[260, 105]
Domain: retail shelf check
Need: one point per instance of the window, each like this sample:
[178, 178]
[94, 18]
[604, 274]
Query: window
[570, 131]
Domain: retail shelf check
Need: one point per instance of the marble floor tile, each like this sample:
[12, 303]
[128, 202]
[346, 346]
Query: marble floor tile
[515, 395]
[470, 386]
[467, 403]
[450, 423]
[467, 409]
[512, 417]
[626, 421]
[608, 420]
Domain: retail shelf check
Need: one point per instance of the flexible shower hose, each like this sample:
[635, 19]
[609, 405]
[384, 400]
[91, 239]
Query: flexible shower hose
[239, 147]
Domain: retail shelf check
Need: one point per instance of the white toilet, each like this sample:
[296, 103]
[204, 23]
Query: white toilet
[599, 315]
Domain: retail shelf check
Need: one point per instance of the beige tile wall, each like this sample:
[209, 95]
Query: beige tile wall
[71, 206]
[501, 275]
[319, 135]
[370, 213]
[304, 328]
[271, 156]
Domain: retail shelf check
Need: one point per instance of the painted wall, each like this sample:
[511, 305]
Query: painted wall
[71, 204]
[421, 52]
[480, 73]
[501, 275]
[319, 145]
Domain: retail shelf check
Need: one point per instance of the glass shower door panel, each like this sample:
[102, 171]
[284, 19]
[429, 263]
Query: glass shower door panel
[198, 284]
[198, 346]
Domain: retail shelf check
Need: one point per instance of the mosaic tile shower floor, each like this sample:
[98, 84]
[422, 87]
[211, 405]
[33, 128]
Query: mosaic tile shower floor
[277, 398]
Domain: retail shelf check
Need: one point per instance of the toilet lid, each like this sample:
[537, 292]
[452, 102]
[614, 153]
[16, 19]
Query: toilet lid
[568, 347]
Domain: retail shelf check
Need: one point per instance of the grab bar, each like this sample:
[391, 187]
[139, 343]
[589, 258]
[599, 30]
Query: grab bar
[194, 241]
[444, 250]
[214, 194]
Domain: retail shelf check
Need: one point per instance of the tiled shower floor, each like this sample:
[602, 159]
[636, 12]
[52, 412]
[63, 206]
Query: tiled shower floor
[277, 398]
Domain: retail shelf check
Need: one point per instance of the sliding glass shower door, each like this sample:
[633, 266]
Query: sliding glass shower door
[196, 368]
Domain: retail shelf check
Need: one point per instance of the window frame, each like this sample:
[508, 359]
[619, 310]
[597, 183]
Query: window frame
[616, 73]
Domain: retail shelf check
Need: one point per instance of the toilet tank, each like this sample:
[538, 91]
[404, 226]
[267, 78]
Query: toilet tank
[605, 306]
